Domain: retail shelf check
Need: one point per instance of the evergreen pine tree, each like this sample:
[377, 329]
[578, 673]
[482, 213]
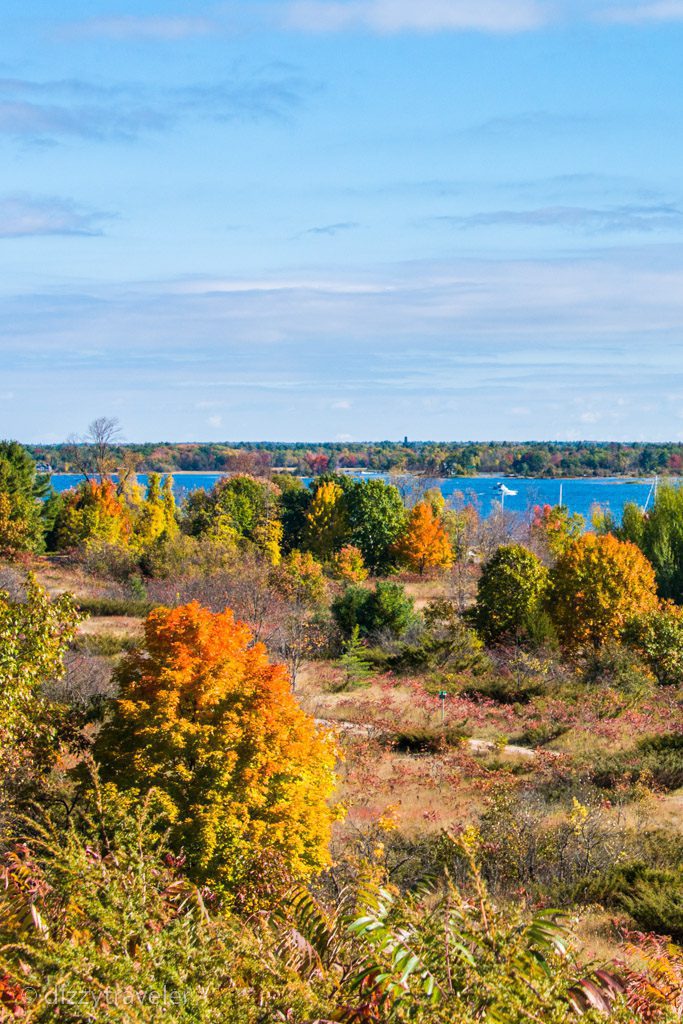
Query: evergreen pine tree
[357, 669]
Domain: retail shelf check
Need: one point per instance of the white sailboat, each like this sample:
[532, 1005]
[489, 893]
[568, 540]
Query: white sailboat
[505, 492]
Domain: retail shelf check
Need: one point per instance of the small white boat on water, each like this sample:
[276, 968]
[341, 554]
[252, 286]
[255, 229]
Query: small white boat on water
[505, 491]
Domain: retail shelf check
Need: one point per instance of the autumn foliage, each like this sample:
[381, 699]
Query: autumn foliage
[326, 523]
[205, 718]
[349, 565]
[555, 528]
[93, 512]
[598, 584]
[425, 543]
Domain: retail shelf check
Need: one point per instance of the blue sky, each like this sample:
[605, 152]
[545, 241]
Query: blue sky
[307, 219]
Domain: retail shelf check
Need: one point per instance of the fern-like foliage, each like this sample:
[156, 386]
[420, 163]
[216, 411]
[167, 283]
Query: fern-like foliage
[453, 956]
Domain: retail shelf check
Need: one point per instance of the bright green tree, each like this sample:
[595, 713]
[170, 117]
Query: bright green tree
[659, 535]
[386, 609]
[22, 495]
[376, 517]
[511, 589]
[239, 508]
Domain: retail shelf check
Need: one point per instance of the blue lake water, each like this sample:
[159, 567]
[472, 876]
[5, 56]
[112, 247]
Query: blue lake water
[578, 494]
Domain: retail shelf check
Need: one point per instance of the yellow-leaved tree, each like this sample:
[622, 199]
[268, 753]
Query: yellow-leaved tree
[326, 524]
[156, 515]
[596, 587]
[205, 718]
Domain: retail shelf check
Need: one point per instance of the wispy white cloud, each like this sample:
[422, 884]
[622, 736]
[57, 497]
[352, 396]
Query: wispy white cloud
[641, 13]
[532, 123]
[492, 16]
[628, 217]
[132, 27]
[391, 16]
[23, 216]
[382, 17]
[426, 347]
[332, 229]
[48, 111]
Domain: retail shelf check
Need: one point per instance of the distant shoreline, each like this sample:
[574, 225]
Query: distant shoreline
[413, 474]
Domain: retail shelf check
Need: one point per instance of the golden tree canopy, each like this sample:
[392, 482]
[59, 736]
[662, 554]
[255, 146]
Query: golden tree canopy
[598, 584]
[206, 718]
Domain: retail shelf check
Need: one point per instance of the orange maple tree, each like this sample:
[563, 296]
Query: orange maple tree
[204, 717]
[425, 543]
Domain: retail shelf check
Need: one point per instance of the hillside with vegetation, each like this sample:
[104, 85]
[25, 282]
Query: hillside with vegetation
[332, 753]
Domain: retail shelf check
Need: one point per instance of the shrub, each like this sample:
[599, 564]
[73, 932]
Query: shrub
[386, 610]
[122, 606]
[180, 556]
[426, 741]
[540, 735]
[652, 896]
[656, 760]
[658, 635]
[446, 647]
[111, 561]
[104, 927]
[511, 588]
[619, 667]
[504, 687]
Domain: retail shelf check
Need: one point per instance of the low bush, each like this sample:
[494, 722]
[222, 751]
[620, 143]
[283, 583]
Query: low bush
[615, 665]
[657, 761]
[426, 741]
[445, 647]
[386, 611]
[653, 897]
[106, 645]
[111, 606]
[540, 735]
[505, 688]
[109, 561]
[659, 637]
